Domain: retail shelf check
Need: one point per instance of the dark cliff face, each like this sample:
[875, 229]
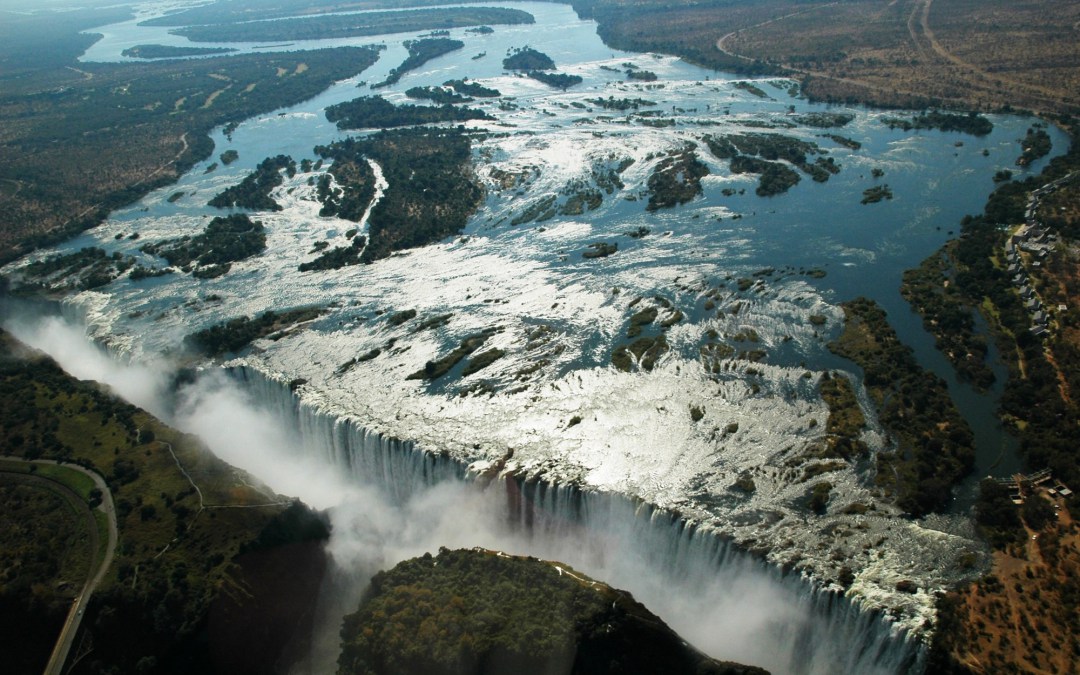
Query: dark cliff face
[476, 612]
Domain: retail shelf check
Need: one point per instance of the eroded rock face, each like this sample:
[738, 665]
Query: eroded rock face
[472, 612]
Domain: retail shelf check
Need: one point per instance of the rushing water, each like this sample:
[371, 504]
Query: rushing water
[633, 439]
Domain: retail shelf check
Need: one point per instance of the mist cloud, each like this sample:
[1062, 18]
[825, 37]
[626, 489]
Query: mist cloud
[737, 610]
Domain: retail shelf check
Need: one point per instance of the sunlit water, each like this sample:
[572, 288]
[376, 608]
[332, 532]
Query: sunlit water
[635, 436]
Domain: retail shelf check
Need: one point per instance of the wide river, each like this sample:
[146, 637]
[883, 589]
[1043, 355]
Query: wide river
[561, 315]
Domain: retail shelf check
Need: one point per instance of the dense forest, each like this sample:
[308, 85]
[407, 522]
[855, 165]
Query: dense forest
[175, 553]
[88, 146]
[556, 80]
[432, 190]
[254, 191]
[472, 611]
[354, 25]
[466, 88]
[676, 179]
[171, 52]
[758, 154]
[527, 58]
[934, 443]
[420, 52]
[375, 112]
[225, 240]
[971, 123]
[231, 336]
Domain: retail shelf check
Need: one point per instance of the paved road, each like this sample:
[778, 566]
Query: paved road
[94, 577]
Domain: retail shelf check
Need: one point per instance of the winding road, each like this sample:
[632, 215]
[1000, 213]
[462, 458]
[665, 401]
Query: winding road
[13, 467]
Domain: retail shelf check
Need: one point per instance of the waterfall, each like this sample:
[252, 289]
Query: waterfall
[691, 575]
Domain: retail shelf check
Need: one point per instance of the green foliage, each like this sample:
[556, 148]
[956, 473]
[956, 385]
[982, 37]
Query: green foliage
[998, 518]
[464, 612]
[337, 257]
[527, 58]
[254, 191]
[420, 52]
[440, 95]
[875, 194]
[776, 178]
[294, 524]
[431, 192]
[471, 89]
[352, 25]
[170, 563]
[823, 120]
[225, 240]
[482, 360]
[621, 104]
[375, 112]
[751, 88]
[846, 421]
[557, 80]
[848, 143]
[171, 52]
[645, 351]
[932, 292]
[757, 153]
[1036, 144]
[971, 123]
[433, 370]
[108, 133]
[235, 334]
[641, 75]
[676, 179]
[935, 443]
[229, 156]
[86, 268]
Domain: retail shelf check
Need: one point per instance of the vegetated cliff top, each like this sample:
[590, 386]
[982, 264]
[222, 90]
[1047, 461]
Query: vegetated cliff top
[479, 611]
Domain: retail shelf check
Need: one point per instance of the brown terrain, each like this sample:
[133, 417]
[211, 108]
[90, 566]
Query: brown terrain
[1021, 617]
[981, 54]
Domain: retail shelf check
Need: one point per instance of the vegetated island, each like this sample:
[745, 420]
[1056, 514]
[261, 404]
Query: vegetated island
[933, 292]
[171, 52]
[466, 88]
[226, 239]
[527, 58]
[935, 449]
[375, 112]
[254, 191]
[757, 153]
[676, 179]
[354, 25]
[1035, 145]
[432, 190]
[534, 63]
[190, 528]
[971, 123]
[442, 95]
[228, 337]
[420, 52]
[444, 614]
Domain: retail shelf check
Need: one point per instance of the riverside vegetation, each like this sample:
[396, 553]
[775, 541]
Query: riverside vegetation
[470, 611]
[81, 142]
[432, 190]
[350, 25]
[178, 549]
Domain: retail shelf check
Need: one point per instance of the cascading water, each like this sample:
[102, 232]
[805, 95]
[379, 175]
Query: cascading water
[722, 599]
